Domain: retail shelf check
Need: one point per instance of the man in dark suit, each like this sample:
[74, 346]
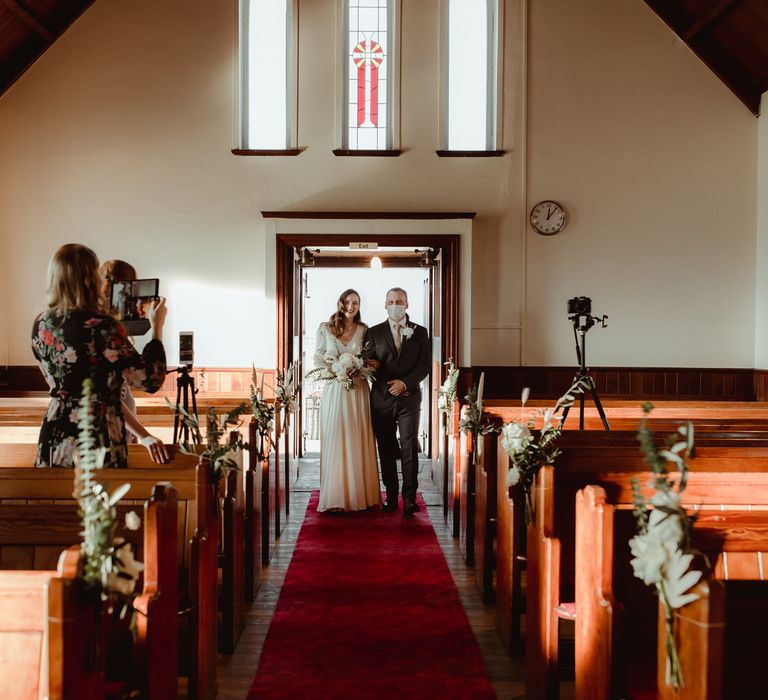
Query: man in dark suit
[401, 356]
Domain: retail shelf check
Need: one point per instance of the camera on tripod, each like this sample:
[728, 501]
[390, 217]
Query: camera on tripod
[580, 312]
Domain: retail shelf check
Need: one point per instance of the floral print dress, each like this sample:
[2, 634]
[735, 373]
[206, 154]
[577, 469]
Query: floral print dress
[72, 347]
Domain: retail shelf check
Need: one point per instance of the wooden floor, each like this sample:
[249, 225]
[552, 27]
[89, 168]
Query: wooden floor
[236, 672]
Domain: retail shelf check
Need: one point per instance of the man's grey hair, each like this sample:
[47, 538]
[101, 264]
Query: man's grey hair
[397, 289]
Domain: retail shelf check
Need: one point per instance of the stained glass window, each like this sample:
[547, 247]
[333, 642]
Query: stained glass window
[266, 36]
[368, 75]
[472, 69]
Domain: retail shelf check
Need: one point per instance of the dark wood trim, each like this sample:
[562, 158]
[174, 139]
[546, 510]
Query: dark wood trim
[286, 243]
[470, 154]
[366, 153]
[30, 20]
[714, 14]
[660, 383]
[670, 383]
[365, 215]
[760, 383]
[267, 151]
[365, 260]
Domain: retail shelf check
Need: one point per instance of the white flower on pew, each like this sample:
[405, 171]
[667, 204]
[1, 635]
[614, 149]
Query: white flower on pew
[650, 557]
[664, 532]
[664, 519]
[513, 476]
[515, 437]
[132, 520]
[679, 580]
[123, 581]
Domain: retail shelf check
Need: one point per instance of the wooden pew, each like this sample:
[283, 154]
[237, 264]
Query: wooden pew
[198, 536]
[232, 594]
[722, 642]
[47, 633]
[542, 594]
[605, 653]
[154, 648]
[510, 546]
[467, 481]
[269, 484]
[254, 521]
[486, 518]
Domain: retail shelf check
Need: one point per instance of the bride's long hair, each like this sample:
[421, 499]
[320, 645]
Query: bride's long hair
[336, 321]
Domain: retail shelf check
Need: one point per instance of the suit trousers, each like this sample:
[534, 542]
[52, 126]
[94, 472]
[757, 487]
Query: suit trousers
[390, 416]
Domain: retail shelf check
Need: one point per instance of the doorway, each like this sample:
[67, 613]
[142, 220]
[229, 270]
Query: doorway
[322, 285]
[295, 253]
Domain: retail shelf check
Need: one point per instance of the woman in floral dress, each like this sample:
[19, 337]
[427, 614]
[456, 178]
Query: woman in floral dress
[75, 340]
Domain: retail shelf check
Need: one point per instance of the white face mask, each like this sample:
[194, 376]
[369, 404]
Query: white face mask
[396, 312]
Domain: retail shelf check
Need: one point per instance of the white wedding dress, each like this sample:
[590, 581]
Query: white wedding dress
[349, 475]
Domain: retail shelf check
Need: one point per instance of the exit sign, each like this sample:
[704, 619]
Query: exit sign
[364, 245]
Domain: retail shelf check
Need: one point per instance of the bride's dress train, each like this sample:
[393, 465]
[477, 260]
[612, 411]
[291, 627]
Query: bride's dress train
[349, 475]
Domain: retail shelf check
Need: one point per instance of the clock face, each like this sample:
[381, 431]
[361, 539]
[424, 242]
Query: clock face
[548, 218]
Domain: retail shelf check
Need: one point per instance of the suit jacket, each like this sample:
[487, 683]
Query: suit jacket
[411, 366]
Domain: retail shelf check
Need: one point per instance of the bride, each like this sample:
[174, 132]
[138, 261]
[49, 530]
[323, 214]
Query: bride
[349, 477]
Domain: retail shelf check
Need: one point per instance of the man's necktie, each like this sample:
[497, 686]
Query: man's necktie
[398, 339]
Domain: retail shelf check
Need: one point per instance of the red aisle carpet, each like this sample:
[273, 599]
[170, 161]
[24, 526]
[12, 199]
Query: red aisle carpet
[369, 610]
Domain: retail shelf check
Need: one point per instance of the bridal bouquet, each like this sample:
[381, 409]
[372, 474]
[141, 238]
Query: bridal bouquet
[661, 548]
[344, 368]
[529, 451]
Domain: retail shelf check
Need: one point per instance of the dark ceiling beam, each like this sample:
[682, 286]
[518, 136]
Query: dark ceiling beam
[30, 20]
[714, 14]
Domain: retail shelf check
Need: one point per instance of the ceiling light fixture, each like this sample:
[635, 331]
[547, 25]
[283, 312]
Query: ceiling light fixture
[375, 263]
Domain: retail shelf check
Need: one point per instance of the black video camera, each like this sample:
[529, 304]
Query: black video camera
[580, 306]
[580, 312]
[131, 300]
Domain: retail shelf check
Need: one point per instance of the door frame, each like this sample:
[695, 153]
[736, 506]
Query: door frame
[448, 244]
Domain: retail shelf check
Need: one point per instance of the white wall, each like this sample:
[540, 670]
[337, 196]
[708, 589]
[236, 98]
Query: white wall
[761, 323]
[654, 158]
[119, 137]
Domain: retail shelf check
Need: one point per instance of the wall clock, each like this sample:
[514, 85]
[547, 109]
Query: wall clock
[548, 218]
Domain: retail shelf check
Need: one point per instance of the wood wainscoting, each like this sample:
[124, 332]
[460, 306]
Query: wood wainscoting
[23, 379]
[660, 383]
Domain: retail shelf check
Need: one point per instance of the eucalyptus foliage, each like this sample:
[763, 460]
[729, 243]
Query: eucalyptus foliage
[97, 507]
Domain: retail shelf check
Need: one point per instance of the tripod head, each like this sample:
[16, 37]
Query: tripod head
[583, 322]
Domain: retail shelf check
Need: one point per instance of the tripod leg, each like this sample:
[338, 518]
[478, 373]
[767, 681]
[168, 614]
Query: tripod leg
[177, 415]
[568, 408]
[596, 399]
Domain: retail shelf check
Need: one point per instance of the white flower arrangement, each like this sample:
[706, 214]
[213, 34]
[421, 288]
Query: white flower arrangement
[447, 393]
[473, 421]
[287, 389]
[660, 548]
[529, 451]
